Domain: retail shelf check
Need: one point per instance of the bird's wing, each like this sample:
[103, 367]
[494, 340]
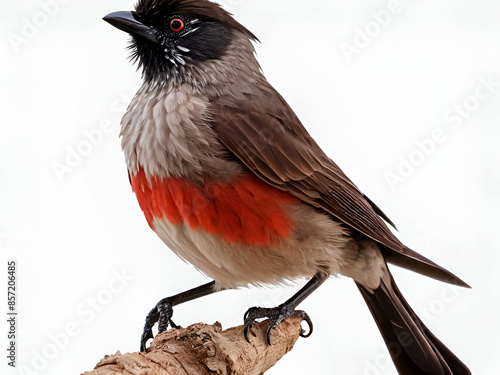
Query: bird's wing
[261, 130]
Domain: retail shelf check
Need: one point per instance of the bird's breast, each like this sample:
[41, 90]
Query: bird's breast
[245, 210]
[166, 132]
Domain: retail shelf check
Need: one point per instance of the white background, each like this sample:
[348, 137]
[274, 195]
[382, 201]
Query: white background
[71, 234]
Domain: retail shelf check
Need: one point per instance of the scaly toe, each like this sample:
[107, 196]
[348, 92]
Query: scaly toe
[276, 315]
[161, 314]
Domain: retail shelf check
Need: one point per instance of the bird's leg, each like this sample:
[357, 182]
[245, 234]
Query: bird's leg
[285, 310]
[163, 311]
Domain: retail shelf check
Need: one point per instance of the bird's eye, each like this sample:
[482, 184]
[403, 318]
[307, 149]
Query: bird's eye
[177, 25]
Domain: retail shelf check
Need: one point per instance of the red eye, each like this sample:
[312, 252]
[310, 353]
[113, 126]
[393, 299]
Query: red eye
[177, 25]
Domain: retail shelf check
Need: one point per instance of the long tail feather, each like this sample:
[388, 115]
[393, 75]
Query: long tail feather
[413, 347]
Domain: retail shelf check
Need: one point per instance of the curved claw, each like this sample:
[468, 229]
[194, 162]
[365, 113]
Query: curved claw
[268, 335]
[309, 322]
[245, 332]
[249, 319]
[144, 339]
[147, 332]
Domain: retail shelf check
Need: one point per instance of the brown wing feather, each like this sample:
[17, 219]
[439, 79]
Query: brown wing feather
[266, 135]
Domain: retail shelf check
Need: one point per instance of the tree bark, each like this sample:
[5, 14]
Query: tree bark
[206, 349]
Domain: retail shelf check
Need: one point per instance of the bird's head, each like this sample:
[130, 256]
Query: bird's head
[170, 38]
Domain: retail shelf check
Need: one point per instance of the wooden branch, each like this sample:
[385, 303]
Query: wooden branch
[206, 349]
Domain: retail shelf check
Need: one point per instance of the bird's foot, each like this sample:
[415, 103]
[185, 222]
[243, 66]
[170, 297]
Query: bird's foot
[276, 315]
[161, 313]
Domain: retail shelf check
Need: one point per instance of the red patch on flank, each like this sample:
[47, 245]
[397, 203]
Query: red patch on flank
[247, 210]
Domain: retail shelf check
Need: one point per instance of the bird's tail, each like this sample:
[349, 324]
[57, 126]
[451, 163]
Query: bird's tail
[413, 347]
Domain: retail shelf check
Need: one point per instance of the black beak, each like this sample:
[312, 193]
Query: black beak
[126, 21]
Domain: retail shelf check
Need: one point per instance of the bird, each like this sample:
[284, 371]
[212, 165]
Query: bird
[231, 181]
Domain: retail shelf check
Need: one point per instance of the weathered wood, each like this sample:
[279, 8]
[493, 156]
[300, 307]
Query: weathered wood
[206, 349]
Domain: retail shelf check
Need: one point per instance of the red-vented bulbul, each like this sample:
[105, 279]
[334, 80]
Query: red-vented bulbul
[231, 181]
